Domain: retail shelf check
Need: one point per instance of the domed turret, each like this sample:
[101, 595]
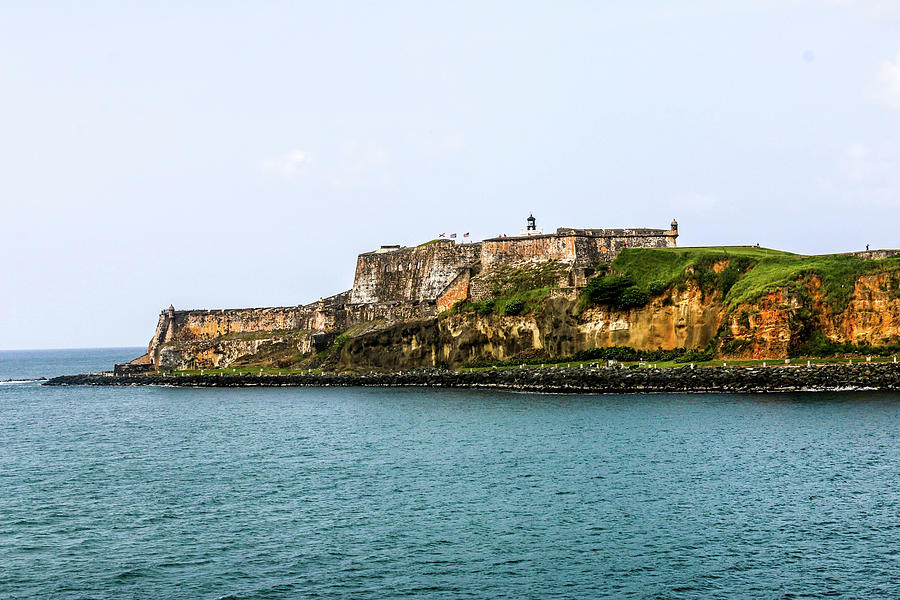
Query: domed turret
[170, 325]
[674, 226]
[531, 223]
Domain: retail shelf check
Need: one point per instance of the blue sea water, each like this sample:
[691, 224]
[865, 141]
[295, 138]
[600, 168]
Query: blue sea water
[152, 492]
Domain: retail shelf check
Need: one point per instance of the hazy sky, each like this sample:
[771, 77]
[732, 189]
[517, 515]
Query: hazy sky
[226, 154]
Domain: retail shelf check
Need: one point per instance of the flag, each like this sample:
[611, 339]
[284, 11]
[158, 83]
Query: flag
[465, 235]
[453, 235]
[442, 235]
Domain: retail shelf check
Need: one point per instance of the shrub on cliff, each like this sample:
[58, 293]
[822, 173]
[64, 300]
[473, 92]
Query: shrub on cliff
[616, 291]
[736, 346]
[484, 307]
[339, 343]
[513, 307]
[820, 345]
[655, 288]
[633, 297]
[607, 289]
[692, 356]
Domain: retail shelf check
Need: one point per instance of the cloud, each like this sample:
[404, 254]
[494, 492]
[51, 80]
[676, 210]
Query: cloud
[287, 165]
[887, 86]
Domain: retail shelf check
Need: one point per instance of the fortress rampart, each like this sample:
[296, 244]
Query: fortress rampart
[409, 274]
[395, 284]
[579, 247]
[327, 316]
[436, 271]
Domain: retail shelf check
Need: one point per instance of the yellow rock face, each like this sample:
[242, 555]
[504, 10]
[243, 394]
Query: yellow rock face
[686, 318]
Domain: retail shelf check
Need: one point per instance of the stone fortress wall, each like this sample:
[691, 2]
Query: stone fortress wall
[439, 270]
[404, 274]
[579, 247]
[398, 283]
[327, 316]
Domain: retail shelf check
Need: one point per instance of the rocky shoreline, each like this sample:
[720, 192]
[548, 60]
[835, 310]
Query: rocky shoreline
[868, 376]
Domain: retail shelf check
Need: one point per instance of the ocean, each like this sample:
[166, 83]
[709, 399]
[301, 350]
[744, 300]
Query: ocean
[155, 492]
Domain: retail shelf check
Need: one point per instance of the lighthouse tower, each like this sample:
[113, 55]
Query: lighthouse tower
[531, 227]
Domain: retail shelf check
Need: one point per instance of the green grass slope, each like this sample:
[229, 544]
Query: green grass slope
[752, 272]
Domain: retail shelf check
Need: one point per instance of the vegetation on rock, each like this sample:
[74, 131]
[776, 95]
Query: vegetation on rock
[743, 274]
[516, 290]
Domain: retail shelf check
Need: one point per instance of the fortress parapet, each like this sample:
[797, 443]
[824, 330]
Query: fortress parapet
[440, 270]
[580, 247]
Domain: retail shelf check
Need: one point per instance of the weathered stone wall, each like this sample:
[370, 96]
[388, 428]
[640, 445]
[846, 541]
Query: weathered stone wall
[410, 274]
[514, 250]
[328, 314]
[874, 254]
[210, 324]
[218, 338]
[232, 349]
[457, 291]
[388, 312]
[131, 368]
[580, 247]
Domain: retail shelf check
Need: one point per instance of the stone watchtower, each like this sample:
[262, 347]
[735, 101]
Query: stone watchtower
[170, 326]
[672, 234]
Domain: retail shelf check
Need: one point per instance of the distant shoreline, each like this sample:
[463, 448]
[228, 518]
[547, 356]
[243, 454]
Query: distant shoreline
[863, 376]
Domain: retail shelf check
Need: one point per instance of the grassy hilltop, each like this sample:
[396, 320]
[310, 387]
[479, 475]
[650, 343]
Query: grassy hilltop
[741, 275]
[748, 272]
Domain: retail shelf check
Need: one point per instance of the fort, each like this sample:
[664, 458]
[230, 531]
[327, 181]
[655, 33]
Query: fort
[391, 285]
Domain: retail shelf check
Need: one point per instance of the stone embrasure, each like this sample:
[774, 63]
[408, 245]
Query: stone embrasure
[557, 380]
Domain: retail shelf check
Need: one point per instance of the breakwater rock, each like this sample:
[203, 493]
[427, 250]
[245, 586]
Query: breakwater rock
[873, 376]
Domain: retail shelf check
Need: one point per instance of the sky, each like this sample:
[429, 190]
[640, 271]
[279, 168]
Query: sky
[241, 154]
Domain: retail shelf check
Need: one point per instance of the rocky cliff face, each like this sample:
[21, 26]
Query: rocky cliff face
[556, 329]
[771, 327]
[232, 350]
[200, 339]
[781, 321]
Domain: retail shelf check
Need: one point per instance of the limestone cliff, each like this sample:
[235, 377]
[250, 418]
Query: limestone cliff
[775, 326]
[558, 328]
[781, 321]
